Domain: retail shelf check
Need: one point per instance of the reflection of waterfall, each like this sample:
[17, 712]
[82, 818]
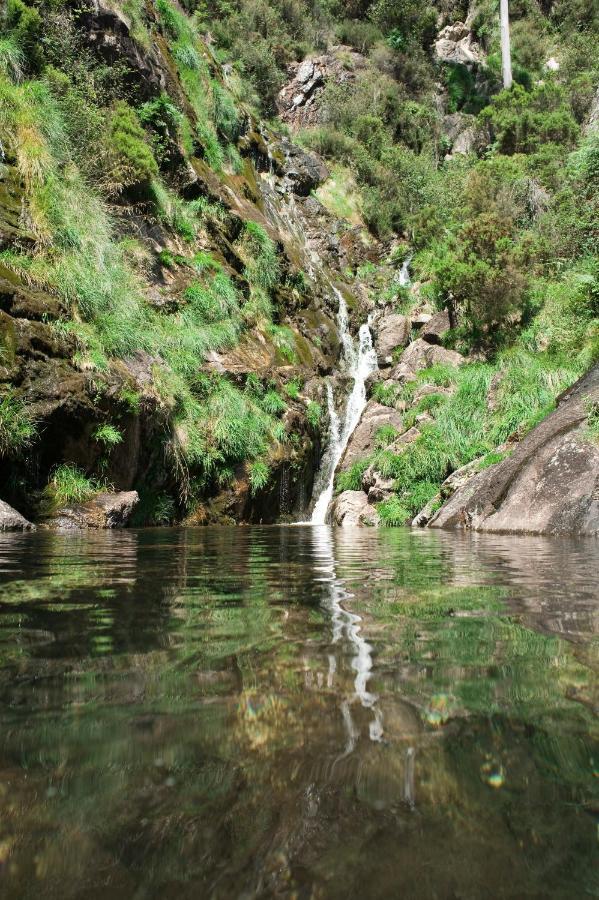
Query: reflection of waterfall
[347, 625]
[359, 366]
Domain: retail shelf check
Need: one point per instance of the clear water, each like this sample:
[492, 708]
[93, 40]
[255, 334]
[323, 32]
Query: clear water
[297, 712]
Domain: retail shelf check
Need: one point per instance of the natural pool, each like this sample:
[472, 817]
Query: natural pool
[298, 712]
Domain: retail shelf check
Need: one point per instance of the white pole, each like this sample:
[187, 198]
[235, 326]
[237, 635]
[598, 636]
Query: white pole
[506, 57]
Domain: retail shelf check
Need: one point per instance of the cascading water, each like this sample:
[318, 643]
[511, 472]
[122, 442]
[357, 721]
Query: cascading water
[359, 366]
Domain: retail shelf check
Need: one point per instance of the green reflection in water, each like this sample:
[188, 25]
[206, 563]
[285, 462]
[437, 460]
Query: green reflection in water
[202, 714]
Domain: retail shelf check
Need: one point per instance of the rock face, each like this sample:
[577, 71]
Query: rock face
[363, 439]
[436, 327]
[107, 510]
[393, 331]
[299, 100]
[11, 520]
[549, 485]
[421, 355]
[352, 508]
[456, 45]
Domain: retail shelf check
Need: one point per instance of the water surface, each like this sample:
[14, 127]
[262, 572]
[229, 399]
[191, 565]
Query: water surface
[298, 712]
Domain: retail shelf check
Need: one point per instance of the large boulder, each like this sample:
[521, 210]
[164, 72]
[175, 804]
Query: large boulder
[421, 355]
[352, 508]
[550, 483]
[362, 442]
[436, 328]
[106, 510]
[11, 520]
[392, 331]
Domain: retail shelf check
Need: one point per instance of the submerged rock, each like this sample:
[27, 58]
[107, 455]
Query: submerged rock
[352, 508]
[106, 510]
[11, 520]
[549, 485]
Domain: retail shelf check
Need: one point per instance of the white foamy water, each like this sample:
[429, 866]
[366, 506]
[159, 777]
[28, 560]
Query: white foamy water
[359, 364]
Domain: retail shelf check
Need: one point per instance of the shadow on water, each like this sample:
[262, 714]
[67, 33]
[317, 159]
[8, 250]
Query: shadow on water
[297, 712]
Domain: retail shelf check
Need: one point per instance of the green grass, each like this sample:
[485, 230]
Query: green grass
[351, 478]
[68, 484]
[108, 435]
[314, 413]
[258, 475]
[18, 428]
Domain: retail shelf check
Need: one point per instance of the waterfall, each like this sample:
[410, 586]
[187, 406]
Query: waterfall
[359, 366]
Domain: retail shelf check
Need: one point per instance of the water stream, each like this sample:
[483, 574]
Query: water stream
[359, 365]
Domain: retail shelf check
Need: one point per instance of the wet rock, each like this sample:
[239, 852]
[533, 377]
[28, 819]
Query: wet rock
[393, 331]
[11, 520]
[106, 510]
[362, 441]
[302, 171]
[550, 483]
[352, 508]
[436, 327]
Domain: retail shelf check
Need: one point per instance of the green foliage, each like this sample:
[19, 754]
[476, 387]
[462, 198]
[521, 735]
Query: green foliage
[314, 413]
[108, 435]
[351, 478]
[68, 484]
[284, 340]
[293, 388]
[17, 425]
[273, 403]
[134, 158]
[523, 121]
[593, 421]
[393, 512]
[260, 254]
[385, 435]
[131, 400]
[258, 475]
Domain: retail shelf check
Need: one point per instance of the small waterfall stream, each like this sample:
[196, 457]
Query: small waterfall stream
[359, 364]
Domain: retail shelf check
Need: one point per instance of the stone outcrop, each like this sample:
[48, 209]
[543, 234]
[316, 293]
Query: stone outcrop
[550, 483]
[455, 44]
[351, 508]
[436, 328]
[298, 102]
[392, 332]
[106, 510]
[11, 520]
[421, 355]
[362, 441]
